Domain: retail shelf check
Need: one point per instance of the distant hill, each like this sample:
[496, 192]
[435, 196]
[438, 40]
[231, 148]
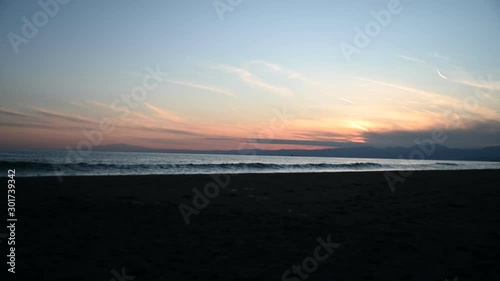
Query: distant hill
[440, 153]
[121, 147]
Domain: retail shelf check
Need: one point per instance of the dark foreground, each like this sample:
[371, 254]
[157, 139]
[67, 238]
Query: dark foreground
[436, 225]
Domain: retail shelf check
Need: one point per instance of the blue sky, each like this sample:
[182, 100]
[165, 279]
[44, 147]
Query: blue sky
[223, 79]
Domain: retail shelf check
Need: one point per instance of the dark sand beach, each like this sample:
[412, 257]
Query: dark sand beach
[436, 225]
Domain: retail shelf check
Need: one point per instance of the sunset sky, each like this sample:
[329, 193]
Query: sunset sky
[271, 73]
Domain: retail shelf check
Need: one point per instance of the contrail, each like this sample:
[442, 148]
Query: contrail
[441, 75]
[349, 101]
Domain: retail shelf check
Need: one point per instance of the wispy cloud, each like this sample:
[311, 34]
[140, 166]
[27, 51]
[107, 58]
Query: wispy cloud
[210, 88]
[441, 104]
[165, 130]
[410, 58]
[164, 113]
[254, 80]
[440, 56]
[347, 100]
[482, 84]
[63, 116]
[15, 113]
[76, 104]
[291, 74]
[435, 98]
[132, 113]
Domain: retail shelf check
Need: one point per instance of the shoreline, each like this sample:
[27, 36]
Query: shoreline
[260, 173]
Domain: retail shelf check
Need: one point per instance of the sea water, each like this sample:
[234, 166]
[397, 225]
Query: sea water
[57, 162]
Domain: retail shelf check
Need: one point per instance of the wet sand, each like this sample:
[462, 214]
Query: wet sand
[436, 225]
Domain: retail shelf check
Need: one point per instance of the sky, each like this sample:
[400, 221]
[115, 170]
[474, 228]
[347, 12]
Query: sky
[236, 74]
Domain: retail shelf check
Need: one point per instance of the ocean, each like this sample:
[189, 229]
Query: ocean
[57, 162]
